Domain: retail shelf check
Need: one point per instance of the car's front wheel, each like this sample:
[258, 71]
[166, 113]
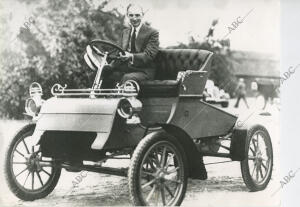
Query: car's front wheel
[29, 175]
[158, 171]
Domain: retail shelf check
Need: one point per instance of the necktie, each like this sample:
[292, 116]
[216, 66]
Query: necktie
[132, 44]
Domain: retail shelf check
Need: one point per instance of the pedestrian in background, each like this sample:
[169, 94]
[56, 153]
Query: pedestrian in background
[241, 93]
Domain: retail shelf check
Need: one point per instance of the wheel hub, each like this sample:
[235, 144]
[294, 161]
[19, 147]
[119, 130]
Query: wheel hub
[160, 175]
[33, 163]
[258, 157]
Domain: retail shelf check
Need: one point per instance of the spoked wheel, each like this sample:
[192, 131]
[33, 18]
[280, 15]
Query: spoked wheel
[158, 171]
[28, 174]
[257, 167]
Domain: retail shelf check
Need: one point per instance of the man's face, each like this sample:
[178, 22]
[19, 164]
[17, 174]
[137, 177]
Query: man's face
[135, 15]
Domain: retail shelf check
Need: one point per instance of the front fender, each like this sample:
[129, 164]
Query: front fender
[26, 128]
[197, 168]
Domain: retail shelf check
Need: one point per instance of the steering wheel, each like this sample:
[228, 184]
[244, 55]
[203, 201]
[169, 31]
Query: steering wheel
[100, 47]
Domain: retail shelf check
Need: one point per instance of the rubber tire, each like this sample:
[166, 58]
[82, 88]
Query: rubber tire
[137, 157]
[13, 186]
[252, 186]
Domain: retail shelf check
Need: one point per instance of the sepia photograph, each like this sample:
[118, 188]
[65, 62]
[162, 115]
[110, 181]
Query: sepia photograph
[141, 103]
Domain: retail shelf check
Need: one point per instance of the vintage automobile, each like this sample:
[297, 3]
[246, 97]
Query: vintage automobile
[163, 126]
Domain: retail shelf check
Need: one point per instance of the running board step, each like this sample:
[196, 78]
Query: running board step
[105, 170]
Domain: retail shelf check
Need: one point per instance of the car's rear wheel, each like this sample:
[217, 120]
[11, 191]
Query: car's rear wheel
[29, 175]
[257, 167]
[158, 171]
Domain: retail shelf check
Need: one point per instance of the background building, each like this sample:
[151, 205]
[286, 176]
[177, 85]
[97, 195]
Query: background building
[263, 69]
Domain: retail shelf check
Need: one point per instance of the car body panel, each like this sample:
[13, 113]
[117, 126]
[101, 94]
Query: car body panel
[79, 115]
[157, 110]
[76, 122]
[200, 119]
[80, 105]
[197, 118]
[154, 110]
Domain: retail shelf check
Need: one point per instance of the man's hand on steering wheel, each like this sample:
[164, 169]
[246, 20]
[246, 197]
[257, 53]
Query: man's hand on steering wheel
[114, 52]
[126, 57]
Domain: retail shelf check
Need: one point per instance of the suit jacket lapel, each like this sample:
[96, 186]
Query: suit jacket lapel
[125, 39]
[140, 38]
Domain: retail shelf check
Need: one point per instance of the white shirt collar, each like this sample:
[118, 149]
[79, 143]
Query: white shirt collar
[137, 29]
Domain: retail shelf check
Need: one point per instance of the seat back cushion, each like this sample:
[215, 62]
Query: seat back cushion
[170, 61]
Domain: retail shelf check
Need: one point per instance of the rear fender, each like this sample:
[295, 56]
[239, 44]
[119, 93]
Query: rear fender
[238, 144]
[196, 166]
[240, 132]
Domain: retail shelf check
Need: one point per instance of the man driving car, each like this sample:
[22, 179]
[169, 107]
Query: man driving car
[140, 43]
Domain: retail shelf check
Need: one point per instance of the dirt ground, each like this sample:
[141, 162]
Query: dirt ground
[224, 186]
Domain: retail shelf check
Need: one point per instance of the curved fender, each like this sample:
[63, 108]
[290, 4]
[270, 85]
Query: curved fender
[238, 144]
[197, 168]
[238, 149]
[26, 128]
[240, 132]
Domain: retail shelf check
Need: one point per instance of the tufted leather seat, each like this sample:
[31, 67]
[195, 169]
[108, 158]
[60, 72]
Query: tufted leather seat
[168, 63]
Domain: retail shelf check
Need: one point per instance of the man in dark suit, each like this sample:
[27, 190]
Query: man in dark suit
[140, 43]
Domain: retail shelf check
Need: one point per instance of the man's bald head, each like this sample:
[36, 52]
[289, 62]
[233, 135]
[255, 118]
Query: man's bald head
[135, 13]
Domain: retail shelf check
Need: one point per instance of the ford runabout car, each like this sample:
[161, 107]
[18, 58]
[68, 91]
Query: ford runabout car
[163, 126]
